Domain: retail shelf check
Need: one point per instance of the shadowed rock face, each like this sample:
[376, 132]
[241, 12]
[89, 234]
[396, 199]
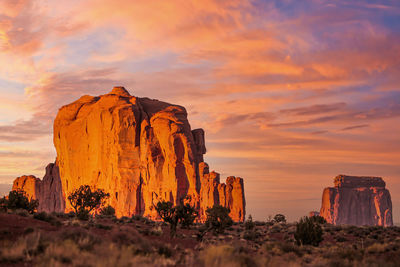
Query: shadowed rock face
[48, 190]
[139, 150]
[358, 201]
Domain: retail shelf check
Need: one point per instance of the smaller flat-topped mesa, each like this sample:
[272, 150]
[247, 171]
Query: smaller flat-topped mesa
[357, 200]
[358, 181]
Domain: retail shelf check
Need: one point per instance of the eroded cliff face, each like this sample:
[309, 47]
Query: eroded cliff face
[139, 150]
[357, 201]
[47, 191]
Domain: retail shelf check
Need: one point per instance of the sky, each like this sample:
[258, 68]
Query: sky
[290, 93]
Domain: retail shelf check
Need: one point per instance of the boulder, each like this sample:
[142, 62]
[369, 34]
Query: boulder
[357, 201]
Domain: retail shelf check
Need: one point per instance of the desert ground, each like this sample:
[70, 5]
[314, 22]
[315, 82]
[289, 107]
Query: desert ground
[62, 240]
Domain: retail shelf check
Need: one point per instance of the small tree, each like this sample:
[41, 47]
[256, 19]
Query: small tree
[166, 211]
[280, 218]
[249, 224]
[17, 199]
[84, 200]
[308, 232]
[218, 218]
[186, 215]
[3, 204]
[318, 219]
[183, 214]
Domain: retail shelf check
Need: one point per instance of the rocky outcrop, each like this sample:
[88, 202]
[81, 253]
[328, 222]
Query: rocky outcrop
[47, 191]
[229, 194]
[139, 150]
[50, 191]
[29, 184]
[357, 201]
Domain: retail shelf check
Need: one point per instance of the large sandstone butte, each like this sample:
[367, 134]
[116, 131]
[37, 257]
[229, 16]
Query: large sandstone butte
[139, 150]
[357, 201]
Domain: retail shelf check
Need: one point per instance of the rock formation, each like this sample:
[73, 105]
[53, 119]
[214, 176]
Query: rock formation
[29, 184]
[212, 192]
[48, 190]
[139, 150]
[357, 201]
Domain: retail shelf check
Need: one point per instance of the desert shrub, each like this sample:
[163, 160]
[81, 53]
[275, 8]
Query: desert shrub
[29, 230]
[165, 251]
[43, 216]
[157, 231]
[201, 233]
[186, 215]
[260, 223]
[341, 239]
[122, 238]
[60, 215]
[17, 199]
[107, 211]
[137, 217]
[276, 228]
[20, 250]
[81, 238]
[84, 200]
[22, 212]
[318, 219]
[166, 211]
[218, 219]
[3, 204]
[343, 252]
[287, 247]
[308, 232]
[280, 218]
[103, 226]
[251, 235]
[83, 215]
[249, 224]
[376, 248]
[219, 256]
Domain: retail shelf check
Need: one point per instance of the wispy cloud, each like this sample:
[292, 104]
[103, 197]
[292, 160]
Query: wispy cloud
[355, 127]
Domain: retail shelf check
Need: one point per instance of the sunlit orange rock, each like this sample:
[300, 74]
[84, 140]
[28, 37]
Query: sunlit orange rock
[47, 191]
[229, 194]
[357, 201]
[139, 150]
[29, 184]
